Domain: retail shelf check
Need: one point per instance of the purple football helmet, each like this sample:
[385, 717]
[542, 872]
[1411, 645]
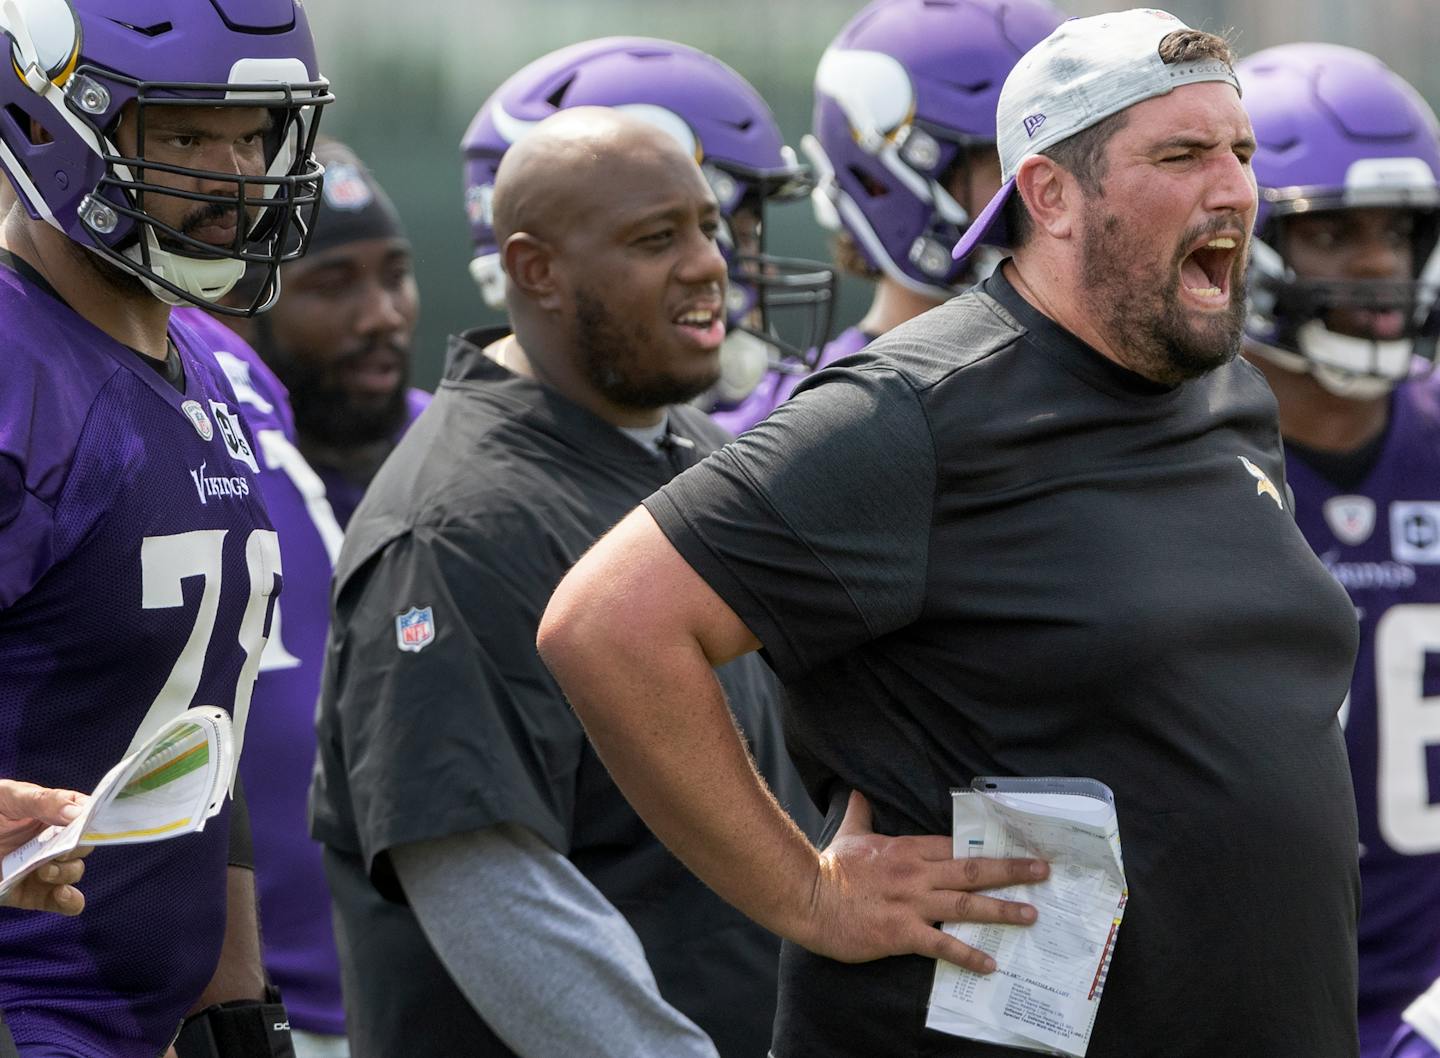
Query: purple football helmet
[715, 114]
[1337, 129]
[903, 95]
[75, 65]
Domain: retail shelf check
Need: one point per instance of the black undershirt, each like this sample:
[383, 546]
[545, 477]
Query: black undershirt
[171, 369]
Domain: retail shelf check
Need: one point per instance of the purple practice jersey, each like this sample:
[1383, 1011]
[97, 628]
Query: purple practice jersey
[137, 575]
[299, 942]
[345, 495]
[1420, 1035]
[1382, 542]
[775, 388]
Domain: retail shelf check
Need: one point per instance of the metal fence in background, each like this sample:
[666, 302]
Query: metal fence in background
[408, 76]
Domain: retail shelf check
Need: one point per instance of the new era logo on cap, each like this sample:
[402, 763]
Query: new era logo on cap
[1033, 123]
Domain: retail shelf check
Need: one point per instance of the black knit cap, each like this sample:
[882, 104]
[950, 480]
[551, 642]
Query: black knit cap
[353, 206]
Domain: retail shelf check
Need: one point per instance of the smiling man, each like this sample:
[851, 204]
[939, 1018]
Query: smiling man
[339, 337]
[1025, 534]
[495, 894]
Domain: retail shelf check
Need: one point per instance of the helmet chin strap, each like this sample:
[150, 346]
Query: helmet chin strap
[203, 280]
[489, 276]
[1323, 349]
[744, 361]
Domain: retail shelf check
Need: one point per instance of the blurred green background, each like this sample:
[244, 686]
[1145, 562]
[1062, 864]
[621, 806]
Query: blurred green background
[409, 75]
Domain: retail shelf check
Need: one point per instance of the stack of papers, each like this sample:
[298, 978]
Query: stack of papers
[1046, 990]
[170, 786]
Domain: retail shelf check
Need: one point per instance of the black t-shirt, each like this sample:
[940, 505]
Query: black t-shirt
[469, 526]
[981, 548]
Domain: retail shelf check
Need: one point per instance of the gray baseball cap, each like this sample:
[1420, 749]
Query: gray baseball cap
[1086, 70]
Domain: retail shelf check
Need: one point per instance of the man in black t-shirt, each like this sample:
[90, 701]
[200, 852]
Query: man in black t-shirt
[494, 893]
[1042, 530]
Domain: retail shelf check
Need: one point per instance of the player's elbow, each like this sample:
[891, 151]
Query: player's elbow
[572, 628]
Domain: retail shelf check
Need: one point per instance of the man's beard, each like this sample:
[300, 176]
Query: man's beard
[324, 412]
[1139, 310]
[613, 361]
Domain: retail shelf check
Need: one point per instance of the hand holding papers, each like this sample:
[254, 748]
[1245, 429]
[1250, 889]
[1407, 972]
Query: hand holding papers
[1046, 991]
[169, 786]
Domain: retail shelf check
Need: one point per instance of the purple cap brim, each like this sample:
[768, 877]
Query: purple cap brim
[989, 227]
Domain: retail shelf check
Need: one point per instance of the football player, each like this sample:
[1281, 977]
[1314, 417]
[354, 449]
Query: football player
[156, 149]
[778, 309]
[1343, 321]
[339, 337]
[299, 950]
[904, 151]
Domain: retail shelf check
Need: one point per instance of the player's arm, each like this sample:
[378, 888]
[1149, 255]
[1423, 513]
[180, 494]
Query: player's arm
[25, 810]
[237, 1016]
[240, 973]
[632, 634]
[544, 959]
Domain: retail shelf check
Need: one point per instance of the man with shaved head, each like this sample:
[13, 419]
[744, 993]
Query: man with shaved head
[495, 894]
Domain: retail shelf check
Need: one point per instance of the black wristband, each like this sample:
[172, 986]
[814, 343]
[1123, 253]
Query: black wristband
[242, 1028]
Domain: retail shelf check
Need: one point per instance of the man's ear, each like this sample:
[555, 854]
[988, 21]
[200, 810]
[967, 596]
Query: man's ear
[1051, 195]
[529, 264]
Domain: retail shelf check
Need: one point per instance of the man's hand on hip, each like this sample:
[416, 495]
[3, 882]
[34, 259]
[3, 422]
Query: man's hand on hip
[877, 896]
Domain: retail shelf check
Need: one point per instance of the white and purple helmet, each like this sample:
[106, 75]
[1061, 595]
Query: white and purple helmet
[718, 117]
[1338, 129]
[75, 64]
[902, 95]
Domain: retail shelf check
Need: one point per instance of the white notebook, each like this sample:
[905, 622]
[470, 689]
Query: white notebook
[175, 781]
[1046, 989]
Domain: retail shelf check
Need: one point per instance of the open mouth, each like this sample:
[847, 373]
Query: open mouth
[1205, 271]
[376, 373]
[702, 324]
[1377, 324]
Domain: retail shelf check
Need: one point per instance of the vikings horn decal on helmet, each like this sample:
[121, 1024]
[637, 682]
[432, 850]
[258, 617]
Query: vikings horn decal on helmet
[714, 113]
[1336, 129]
[902, 95]
[80, 67]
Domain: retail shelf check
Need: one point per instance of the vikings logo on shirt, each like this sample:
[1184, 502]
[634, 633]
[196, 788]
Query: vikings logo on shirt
[1263, 485]
[415, 629]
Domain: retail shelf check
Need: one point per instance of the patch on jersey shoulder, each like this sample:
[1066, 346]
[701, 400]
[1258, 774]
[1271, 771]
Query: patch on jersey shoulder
[1415, 532]
[415, 629]
[235, 442]
[198, 419]
[1263, 485]
[1350, 518]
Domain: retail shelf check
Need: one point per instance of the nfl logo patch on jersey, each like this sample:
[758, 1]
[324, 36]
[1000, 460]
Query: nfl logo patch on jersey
[415, 629]
[198, 418]
[1350, 518]
[1415, 532]
[235, 442]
